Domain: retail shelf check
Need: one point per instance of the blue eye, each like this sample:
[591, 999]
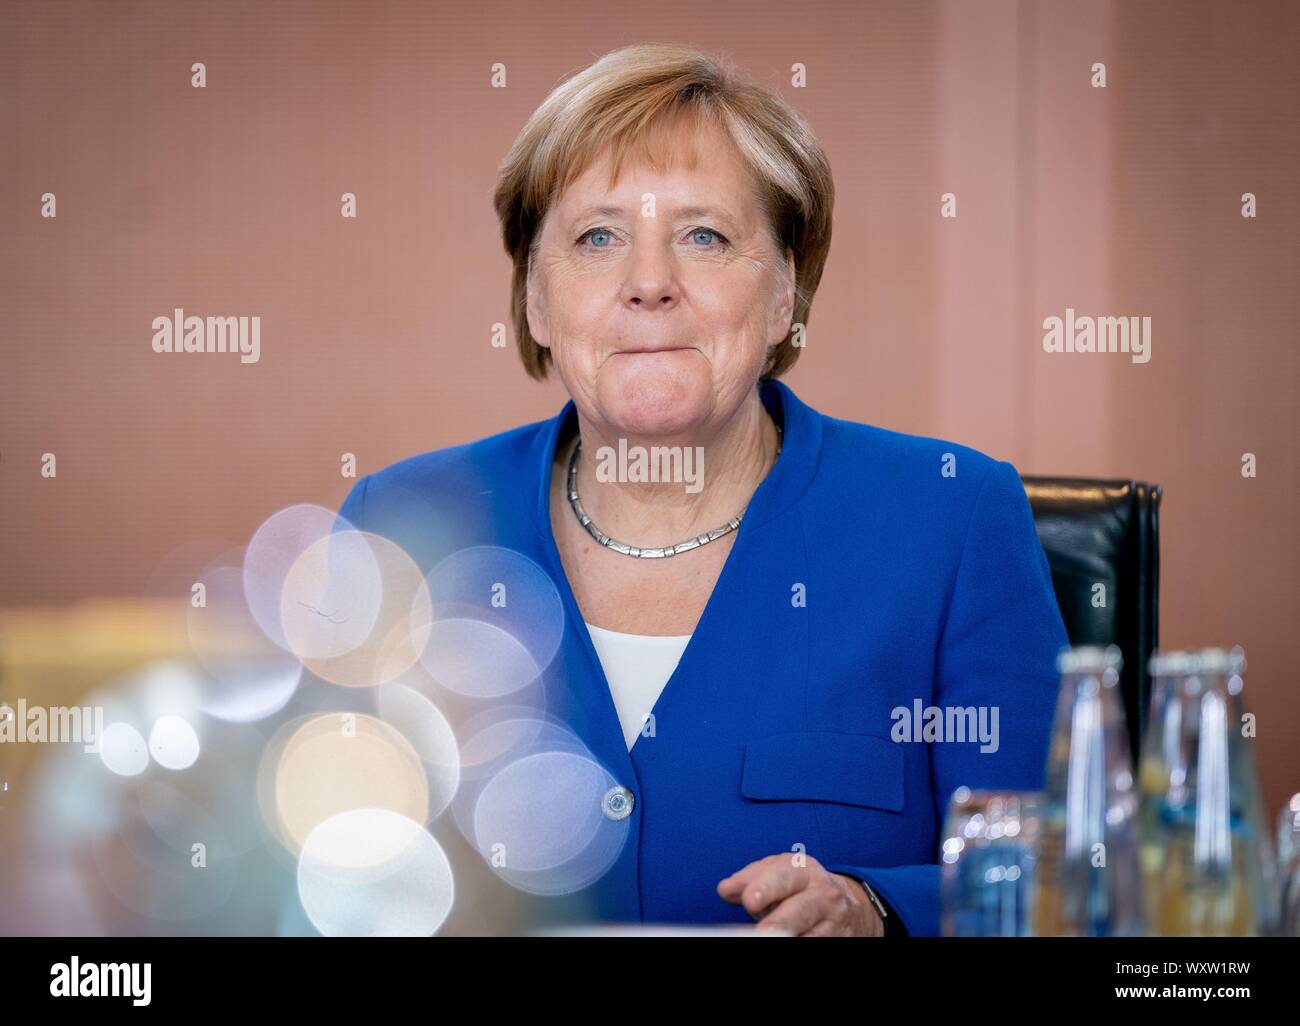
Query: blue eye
[602, 238]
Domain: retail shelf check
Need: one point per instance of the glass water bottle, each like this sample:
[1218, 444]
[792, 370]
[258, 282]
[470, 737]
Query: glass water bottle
[1206, 855]
[1288, 864]
[1088, 879]
[987, 862]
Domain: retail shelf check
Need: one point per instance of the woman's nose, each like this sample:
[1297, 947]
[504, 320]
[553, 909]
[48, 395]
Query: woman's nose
[651, 281]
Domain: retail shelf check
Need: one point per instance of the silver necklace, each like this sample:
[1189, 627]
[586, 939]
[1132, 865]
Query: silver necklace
[632, 550]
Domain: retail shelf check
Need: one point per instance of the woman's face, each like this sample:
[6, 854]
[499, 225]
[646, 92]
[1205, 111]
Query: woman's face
[658, 298]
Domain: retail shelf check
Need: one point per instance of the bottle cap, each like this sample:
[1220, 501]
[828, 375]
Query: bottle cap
[1089, 659]
[1206, 661]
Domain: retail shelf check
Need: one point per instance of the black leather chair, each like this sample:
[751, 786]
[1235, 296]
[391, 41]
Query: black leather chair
[1105, 532]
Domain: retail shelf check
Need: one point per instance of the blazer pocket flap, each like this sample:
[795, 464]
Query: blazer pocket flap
[820, 766]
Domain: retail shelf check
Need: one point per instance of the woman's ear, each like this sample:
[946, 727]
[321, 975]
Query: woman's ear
[535, 307]
[783, 308]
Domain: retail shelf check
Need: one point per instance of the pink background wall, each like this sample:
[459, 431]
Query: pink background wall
[375, 331]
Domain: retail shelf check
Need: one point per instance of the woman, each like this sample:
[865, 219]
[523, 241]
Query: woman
[758, 598]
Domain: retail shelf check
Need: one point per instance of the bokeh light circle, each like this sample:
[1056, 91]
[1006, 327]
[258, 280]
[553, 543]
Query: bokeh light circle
[123, 750]
[247, 677]
[274, 548]
[423, 724]
[498, 621]
[335, 762]
[151, 865]
[478, 659]
[173, 743]
[539, 823]
[401, 622]
[332, 597]
[371, 872]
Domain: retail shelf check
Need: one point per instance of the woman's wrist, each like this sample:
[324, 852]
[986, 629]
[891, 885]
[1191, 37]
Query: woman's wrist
[877, 915]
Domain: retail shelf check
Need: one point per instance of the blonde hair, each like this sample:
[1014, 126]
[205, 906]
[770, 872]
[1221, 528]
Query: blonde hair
[636, 101]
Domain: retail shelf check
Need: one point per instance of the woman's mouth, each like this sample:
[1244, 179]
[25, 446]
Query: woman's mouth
[643, 350]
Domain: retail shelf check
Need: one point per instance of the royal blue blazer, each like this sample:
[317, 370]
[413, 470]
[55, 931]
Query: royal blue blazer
[873, 570]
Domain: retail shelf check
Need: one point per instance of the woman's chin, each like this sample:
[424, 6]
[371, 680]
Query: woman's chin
[655, 401]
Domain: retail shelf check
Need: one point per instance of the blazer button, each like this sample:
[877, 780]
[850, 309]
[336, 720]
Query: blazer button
[617, 803]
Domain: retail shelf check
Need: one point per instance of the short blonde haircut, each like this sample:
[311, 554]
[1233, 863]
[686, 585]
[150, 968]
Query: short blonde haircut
[636, 101]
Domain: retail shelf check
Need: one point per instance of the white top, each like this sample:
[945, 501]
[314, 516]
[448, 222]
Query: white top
[637, 667]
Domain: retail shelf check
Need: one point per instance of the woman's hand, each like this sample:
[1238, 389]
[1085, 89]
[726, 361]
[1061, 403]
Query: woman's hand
[802, 899]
